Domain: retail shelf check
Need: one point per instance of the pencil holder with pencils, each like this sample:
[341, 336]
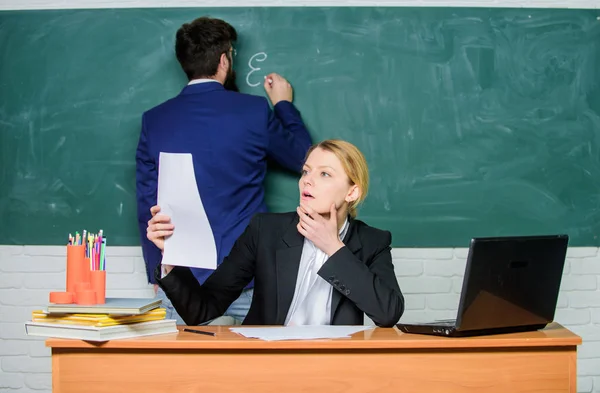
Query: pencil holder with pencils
[86, 274]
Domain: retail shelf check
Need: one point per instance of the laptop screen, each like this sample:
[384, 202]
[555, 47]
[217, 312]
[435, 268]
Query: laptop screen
[511, 281]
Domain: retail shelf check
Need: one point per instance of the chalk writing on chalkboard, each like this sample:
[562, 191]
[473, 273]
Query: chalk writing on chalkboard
[257, 57]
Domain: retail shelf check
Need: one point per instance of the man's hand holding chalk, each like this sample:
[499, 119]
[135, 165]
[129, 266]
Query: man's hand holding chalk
[278, 89]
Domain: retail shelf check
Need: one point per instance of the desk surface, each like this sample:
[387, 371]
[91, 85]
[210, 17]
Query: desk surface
[377, 338]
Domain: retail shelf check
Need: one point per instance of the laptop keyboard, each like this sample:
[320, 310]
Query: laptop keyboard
[441, 322]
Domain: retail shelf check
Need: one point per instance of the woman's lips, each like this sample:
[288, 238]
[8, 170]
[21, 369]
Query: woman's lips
[306, 196]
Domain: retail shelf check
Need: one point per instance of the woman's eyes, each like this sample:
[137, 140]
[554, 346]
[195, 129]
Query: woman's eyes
[323, 174]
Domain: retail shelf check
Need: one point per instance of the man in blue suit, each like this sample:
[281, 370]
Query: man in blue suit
[230, 136]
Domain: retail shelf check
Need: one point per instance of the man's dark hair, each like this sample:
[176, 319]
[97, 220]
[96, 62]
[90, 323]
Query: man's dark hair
[200, 44]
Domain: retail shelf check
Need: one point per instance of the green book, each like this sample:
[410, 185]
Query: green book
[115, 305]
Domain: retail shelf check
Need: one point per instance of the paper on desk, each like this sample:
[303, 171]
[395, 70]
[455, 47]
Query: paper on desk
[300, 332]
[192, 243]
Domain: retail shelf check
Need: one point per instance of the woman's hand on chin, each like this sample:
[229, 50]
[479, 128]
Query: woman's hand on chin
[323, 232]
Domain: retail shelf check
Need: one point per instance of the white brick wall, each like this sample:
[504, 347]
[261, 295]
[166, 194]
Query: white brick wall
[431, 280]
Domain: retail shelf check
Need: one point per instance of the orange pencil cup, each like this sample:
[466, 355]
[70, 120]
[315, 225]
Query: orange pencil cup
[98, 278]
[87, 297]
[78, 267]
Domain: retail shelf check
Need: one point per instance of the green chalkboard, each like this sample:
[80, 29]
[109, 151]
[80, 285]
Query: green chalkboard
[475, 121]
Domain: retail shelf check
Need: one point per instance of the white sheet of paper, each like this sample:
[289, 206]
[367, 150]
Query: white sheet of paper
[300, 332]
[192, 243]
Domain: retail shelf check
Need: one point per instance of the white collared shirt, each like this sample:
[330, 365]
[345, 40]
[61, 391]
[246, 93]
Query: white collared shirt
[311, 304]
[202, 80]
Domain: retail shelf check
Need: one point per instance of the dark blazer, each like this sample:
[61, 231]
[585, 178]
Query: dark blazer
[230, 136]
[269, 250]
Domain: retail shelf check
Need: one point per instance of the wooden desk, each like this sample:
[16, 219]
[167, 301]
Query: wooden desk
[379, 360]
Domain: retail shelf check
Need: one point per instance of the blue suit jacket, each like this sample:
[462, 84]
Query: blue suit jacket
[230, 135]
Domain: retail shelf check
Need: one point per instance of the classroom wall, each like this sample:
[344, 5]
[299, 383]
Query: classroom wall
[430, 278]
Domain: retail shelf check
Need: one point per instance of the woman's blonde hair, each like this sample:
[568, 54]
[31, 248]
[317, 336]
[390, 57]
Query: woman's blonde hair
[354, 164]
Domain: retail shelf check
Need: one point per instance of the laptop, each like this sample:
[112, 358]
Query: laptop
[511, 284]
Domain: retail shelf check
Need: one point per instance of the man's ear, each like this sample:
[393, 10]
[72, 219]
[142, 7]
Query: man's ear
[224, 62]
[353, 194]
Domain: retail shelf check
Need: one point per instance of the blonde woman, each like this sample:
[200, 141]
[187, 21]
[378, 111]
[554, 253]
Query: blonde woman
[318, 265]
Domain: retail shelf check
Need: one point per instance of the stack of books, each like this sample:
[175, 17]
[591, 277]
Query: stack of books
[117, 318]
